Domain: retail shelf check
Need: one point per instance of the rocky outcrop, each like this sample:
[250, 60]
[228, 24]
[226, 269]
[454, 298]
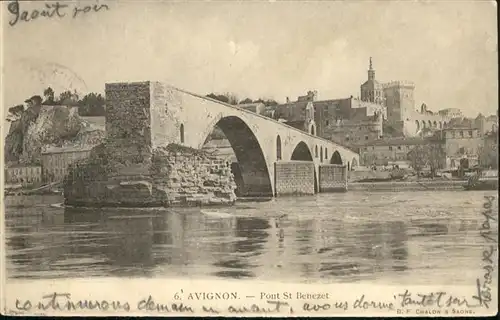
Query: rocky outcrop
[175, 176]
[44, 126]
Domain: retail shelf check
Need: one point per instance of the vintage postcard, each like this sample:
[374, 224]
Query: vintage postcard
[249, 158]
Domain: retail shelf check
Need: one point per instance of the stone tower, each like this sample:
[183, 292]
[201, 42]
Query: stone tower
[399, 100]
[371, 90]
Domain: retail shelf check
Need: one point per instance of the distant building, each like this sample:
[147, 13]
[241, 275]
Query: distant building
[326, 116]
[23, 174]
[388, 151]
[486, 124]
[462, 146]
[257, 107]
[56, 161]
[451, 113]
[354, 133]
[488, 155]
[221, 148]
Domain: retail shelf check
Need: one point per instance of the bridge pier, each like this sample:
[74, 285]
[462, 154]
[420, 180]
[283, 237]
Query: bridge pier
[332, 178]
[294, 178]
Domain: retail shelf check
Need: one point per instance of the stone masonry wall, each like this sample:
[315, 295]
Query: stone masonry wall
[128, 123]
[332, 178]
[187, 176]
[294, 177]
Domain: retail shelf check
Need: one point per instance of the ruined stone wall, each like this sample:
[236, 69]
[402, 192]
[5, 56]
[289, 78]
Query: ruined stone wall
[187, 176]
[177, 176]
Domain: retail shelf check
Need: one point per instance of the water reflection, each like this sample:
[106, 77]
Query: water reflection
[70, 242]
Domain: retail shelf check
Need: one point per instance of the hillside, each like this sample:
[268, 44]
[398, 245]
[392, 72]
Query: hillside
[43, 126]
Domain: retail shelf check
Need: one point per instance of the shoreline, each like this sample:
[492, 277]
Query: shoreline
[396, 186]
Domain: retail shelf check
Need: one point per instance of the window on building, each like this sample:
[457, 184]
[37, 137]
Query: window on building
[326, 122]
[399, 147]
[366, 137]
[470, 133]
[461, 134]
[390, 148]
[346, 138]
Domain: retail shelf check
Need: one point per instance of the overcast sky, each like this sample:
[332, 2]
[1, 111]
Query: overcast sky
[261, 49]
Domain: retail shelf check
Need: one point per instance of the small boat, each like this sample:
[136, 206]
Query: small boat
[483, 180]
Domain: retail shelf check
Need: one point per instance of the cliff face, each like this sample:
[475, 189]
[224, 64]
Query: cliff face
[44, 126]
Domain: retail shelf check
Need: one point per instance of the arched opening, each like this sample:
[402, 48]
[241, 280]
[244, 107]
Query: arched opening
[440, 125]
[182, 133]
[430, 123]
[278, 148]
[418, 125]
[249, 166]
[302, 153]
[435, 124]
[354, 163]
[336, 158]
[313, 130]
[321, 154]
[326, 153]
[348, 166]
[423, 124]
[316, 151]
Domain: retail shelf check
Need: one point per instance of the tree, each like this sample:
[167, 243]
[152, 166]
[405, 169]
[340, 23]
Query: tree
[247, 100]
[436, 156]
[431, 154]
[49, 96]
[15, 113]
[267, 102]
[68, 98]
[92, 104]
[226, 98]
[417, 159]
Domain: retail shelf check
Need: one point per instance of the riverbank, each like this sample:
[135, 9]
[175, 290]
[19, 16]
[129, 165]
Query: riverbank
[415, 185]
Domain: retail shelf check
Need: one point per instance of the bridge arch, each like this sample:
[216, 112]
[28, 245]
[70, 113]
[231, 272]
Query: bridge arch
[301, 152]
[336, 158]
[255, 179]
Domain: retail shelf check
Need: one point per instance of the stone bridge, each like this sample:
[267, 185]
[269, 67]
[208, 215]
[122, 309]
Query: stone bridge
[260, 143]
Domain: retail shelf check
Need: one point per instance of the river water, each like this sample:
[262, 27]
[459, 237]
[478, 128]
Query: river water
[404, 237]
